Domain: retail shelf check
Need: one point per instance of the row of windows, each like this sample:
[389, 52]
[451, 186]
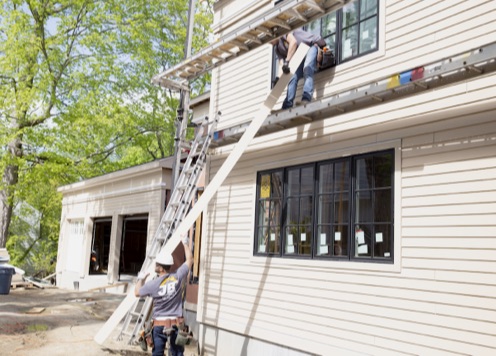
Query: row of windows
[340, 209]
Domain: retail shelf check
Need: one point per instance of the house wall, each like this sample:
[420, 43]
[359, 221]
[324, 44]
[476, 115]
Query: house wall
[438, 295]
[128, 194]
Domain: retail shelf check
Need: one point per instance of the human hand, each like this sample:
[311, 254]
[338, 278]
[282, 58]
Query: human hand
[185, 239]
[285, 67]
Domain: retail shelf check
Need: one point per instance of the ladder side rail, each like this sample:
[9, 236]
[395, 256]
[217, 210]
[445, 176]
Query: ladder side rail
[252, 25]
[431, 71]
[185, 201]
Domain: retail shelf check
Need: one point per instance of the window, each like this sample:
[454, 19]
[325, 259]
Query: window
[349, 32]
[340, 209]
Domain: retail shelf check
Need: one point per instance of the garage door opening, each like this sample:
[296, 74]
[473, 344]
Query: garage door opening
[133, 244]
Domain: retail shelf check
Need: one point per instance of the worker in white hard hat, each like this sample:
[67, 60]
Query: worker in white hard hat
[167, 292]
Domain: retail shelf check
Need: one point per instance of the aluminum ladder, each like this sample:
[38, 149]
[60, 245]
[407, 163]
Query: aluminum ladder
[184, 191]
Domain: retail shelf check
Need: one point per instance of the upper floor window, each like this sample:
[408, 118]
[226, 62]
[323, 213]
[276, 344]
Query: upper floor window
[351, 31]
[339, 209]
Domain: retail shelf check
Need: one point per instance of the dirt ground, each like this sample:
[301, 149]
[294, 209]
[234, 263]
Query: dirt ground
[54, 321]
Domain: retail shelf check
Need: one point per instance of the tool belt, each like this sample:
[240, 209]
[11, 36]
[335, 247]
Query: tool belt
[325, 58]
[169, 322]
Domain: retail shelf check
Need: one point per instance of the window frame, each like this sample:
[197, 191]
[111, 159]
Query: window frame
[350, 255]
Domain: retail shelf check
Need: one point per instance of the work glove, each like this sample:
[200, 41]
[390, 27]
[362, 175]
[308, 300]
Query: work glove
[185, 239]
[285, 67]
[142, 275]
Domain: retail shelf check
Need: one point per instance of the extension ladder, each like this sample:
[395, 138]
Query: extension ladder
[184, 191]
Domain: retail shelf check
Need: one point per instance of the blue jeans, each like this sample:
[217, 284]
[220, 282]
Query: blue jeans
[159, 341]
[305, 70]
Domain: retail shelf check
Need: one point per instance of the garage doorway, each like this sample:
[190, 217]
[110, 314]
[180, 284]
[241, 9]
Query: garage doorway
[133, 244]
[100, 246]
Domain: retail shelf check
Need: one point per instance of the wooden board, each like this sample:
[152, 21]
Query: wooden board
[211, 188]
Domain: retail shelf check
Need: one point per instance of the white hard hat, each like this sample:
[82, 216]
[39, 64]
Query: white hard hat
[165, 260]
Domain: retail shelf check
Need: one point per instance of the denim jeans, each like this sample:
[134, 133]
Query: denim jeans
[305, 70]
[159, 341]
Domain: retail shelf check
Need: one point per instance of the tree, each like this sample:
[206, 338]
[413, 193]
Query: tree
[75, 94]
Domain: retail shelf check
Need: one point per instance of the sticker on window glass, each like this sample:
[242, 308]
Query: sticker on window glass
[378, 237]
[265, 187]
[323, 239]
[261, 248]
[303, 237]
[272, 237]
[387, 254]
[323, 250]
[337, 236]
[290, 249]
[360, 236]
[290, 239]
[363, 249]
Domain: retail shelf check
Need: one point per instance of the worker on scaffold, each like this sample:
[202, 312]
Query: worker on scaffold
[167, 293]
[285, 48]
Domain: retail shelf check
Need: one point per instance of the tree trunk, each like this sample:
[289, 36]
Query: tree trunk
[10, 179]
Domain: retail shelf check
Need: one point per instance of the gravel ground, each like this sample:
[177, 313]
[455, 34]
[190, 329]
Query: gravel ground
[54, 321]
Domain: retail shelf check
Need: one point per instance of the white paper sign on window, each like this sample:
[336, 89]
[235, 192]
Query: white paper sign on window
[360, 236]
[337, 236]
[261, 248]
[363, 249]
[272, 237]
[378, 237]
[323, 250]
[290, 239]
[303, 237]
[290, 249]
[323, 239]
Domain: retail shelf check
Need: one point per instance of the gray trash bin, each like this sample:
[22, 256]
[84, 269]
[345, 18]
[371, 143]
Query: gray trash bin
[5, 278]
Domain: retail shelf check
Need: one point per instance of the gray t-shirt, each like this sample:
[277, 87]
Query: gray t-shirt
[300, 36]
[166, 292]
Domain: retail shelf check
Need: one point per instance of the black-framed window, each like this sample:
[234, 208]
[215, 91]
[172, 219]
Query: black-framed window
[339, 209]
[349, 32]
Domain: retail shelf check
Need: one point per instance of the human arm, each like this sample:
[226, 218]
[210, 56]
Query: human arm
[139, 283]
[187, 252]
[292, 46]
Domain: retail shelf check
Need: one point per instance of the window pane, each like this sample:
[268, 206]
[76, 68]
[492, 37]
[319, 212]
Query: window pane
[382, 206]
[263, 212]
[275, 213]
[362, 241]
[293, 182]
[264, 192]
[291, 240]
[342, 176]
[325, 178]
[324, 241]
[382, 241]
[368, 8]
[306, 204]
[368, 35]
[331, 43]
[274, 239]
[305, 246]
[340, 247]
[364, 210]
[292, 211]
[349, 44]
[325, 212]
[276, 182]
[341, 208]
[307, 181]
[364, 171]
[383, 170]
[350, 14]
[329, 24]
[262, 240]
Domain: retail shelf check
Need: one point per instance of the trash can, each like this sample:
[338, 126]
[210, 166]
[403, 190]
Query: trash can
[5, 278]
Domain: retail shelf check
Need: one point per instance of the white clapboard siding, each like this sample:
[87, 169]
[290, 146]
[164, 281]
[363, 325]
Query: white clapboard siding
[439, 297]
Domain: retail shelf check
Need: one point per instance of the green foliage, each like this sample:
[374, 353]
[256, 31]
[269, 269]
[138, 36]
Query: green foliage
[76, 100]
